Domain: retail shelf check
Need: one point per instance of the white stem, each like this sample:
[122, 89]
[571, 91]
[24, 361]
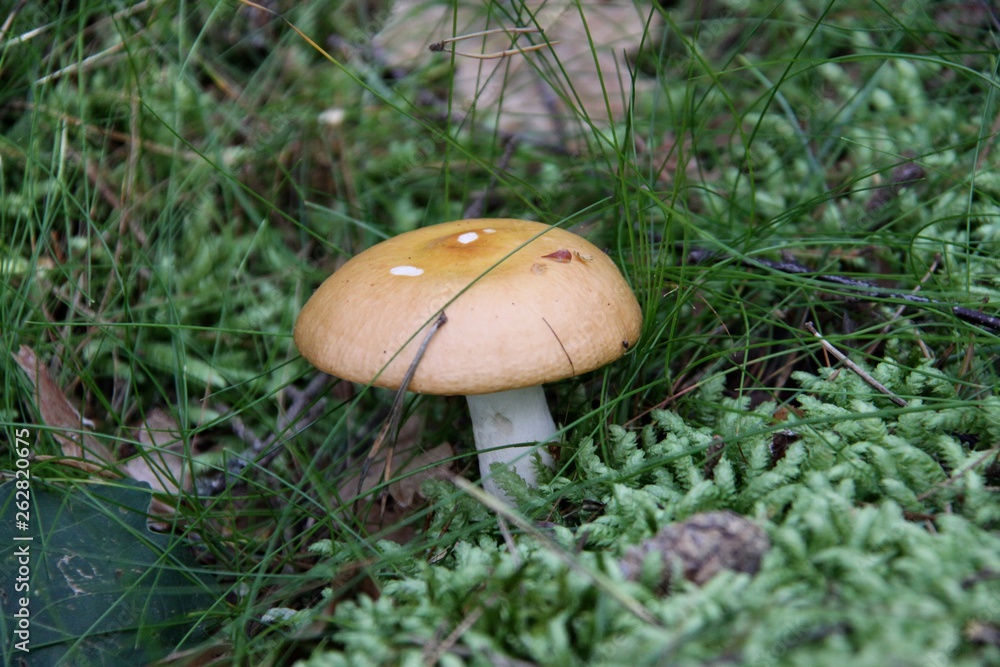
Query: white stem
[516, 417]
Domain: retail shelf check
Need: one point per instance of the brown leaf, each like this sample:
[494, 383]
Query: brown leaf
[534, 93]
[405, 490]
[161, 462]
[424, 466]
[411, 467]
[57, 412]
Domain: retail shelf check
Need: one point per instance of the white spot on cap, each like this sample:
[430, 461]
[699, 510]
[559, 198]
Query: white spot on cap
[405, 271]
[468, 237]
[489, 230]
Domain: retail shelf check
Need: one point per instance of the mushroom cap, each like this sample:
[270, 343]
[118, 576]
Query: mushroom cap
[526, 304]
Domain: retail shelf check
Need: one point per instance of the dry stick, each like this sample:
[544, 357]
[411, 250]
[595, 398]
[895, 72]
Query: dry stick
[296, 413]
[969, 315]
[265, 450]
[906, 173]
[390, 429]
[958, 475]
[440, 46]
[862, 373]
[508, 539]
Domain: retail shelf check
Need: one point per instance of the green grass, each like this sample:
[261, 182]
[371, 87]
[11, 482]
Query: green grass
[169, 198]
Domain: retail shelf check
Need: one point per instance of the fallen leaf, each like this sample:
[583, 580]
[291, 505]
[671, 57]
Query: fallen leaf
[58, 413]
[161, 461]
[411, 467]
[537, 94]
[417, 468]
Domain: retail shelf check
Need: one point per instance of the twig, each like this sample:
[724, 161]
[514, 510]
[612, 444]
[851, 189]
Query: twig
[263, 451]
[508, 539]
[862, 373]
[390, 429]
[432, 654]
[899, 311]
[867, 289]
[958, 475]
[295, 413]
[438, 47]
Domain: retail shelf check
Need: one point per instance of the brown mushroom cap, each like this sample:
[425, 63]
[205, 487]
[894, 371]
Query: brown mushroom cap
[526, 304]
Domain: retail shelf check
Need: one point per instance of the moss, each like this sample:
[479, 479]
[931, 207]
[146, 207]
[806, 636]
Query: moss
[875, 557]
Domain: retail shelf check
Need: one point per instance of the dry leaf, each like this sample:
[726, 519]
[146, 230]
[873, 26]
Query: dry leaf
[537, 94]
[411, 467]
[405, 490]
[162, 462]
[58, 413]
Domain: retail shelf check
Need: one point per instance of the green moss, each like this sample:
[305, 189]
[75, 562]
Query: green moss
[876, 557]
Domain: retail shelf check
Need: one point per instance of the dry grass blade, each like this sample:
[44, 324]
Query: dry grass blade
[862, 373]
[441, 46]
[494, 55]
[599, 580]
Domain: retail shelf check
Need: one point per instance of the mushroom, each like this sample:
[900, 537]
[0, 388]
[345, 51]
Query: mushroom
[526, 303]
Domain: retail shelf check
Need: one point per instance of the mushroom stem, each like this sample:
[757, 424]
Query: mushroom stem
[517, 417]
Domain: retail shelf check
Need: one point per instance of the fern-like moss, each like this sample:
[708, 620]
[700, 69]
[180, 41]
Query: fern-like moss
[881, 545]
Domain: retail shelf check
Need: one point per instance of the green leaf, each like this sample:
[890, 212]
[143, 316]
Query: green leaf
[101, 587]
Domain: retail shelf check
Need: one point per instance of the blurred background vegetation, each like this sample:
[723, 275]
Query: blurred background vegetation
[176, 179]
